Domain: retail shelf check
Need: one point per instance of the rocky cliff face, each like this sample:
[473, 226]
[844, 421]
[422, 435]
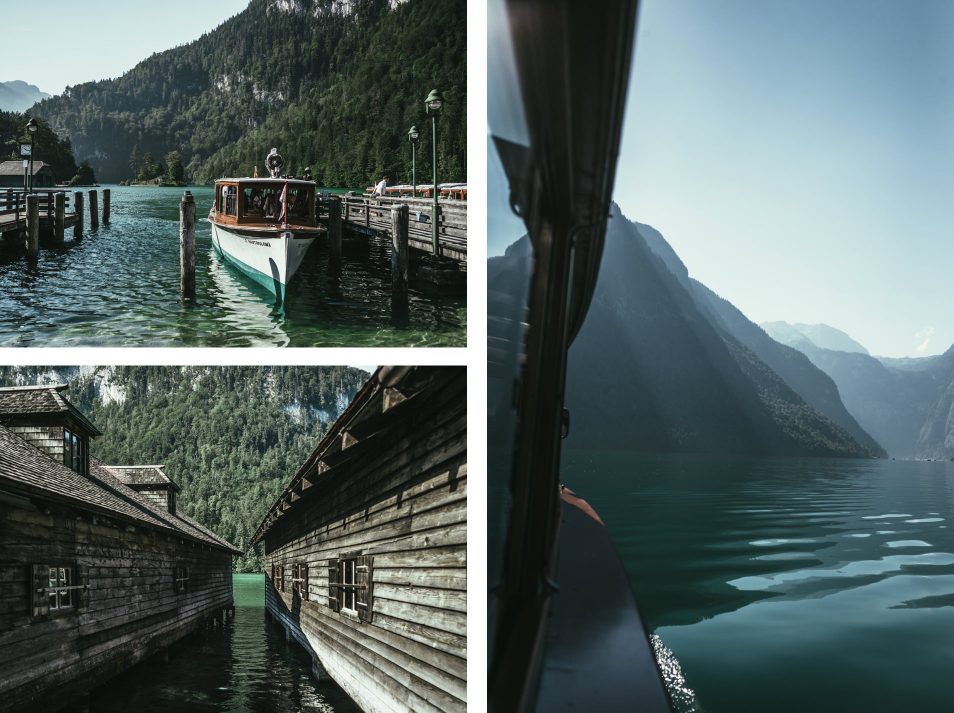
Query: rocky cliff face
[655, 368]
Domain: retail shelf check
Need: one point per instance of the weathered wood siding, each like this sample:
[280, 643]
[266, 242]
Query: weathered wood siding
[48, 439]
[130, 611]
[404, 503]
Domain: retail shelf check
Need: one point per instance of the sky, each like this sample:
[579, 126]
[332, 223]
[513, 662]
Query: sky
[100, 39]
[799, 157]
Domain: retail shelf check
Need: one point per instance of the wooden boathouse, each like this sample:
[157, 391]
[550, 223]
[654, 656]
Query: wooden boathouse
[98, 571]
[366, 549]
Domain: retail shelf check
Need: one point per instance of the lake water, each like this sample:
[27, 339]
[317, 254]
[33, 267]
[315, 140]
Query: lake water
[244, 667]
[789, 585]
[119, 286]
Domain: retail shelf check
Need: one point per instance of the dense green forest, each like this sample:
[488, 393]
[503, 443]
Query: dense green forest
[231, 437]
[48, 146]
[333, 91]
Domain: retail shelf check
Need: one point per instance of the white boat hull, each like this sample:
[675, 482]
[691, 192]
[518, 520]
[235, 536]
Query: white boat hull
[271, 258]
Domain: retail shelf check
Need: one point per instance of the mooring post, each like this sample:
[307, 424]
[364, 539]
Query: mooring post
[334, 228]
[187, 246]
[33, 225]
[93, 211]
[367, 213]
[59, 220]
[78, 208]
[106, 193]
[399, 255]
[347, 209]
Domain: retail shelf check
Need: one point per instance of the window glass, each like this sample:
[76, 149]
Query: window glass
[262, 203]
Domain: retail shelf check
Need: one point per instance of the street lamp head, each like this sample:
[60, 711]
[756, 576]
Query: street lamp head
[32, 126]
[434, 101]
[413, 135]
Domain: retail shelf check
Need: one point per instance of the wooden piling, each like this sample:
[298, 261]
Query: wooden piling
[93, 211]
[367, 213]
[33, 225]
[334, 227]
[106, 193]
[399, 254]
[78, 207]
[59, 218]
[187, 246]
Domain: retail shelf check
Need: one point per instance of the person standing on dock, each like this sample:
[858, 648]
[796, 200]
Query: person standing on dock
[380, 188]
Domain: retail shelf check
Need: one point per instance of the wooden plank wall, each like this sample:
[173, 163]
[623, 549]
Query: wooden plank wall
[404, 503]
[132, 610]
[48, 439]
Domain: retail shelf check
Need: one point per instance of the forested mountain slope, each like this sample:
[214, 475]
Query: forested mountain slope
[231, 437]
[332, 85]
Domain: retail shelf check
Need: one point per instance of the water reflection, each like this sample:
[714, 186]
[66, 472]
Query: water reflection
[120, 286]
[784, 584]
[244, 667]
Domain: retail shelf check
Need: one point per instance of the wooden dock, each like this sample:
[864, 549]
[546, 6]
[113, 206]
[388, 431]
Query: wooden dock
[372, 217]
[13, 211]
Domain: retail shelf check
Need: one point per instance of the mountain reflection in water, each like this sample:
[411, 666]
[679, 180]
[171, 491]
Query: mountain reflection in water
[788, 585]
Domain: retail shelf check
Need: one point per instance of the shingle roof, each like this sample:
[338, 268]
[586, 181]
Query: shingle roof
[29, 400]
[108, 474]
[15, 168]
[28, 470]
[142, 475]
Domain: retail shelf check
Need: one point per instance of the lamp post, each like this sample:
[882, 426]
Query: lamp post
[32, 127]
[434, 102]
[413, 136]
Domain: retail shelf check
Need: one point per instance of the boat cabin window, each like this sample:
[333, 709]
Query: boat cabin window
[264, 203]
[226, 201]
[75, 452]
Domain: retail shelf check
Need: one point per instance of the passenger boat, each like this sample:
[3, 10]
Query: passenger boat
[264, 226]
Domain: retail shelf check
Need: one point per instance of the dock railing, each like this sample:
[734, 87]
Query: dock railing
[369, 216]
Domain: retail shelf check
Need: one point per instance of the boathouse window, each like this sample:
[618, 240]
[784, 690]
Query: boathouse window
[55, 589]
[75, 455]
[300, 580]
[182, 579]
[350, 586]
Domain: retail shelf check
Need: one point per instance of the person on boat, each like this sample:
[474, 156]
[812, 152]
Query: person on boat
[380, 188]
[270, 204]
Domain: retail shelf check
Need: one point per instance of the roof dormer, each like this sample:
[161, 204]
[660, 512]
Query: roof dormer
[42, 416]
[151, 482]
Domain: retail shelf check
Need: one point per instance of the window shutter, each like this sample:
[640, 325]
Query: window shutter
[363, 594]
[81, 577]
[40, 601]
[334, 594]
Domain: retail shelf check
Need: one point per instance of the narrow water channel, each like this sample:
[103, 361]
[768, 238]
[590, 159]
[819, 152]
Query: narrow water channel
[244, 667]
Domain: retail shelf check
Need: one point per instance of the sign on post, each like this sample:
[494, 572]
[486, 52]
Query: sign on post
[26, 150]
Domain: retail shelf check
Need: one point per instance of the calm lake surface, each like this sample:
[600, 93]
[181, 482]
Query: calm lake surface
[789, 585]
[244, 667]
[119, 286]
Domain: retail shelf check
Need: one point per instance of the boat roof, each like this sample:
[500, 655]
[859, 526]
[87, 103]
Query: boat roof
[267, 179]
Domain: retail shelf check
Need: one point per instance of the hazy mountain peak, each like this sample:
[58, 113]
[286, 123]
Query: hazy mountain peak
[17, 95]
[822, 336]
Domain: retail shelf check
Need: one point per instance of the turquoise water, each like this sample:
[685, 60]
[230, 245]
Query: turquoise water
[244, 667]
[119, 286]
[789, 585]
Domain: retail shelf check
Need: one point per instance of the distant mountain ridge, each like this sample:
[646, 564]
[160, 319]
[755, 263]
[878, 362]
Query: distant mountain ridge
[906, 404]
[822, 336]
[658, 366]
[18, 95]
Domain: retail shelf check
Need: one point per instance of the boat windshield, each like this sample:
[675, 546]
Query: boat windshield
[263, 203]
